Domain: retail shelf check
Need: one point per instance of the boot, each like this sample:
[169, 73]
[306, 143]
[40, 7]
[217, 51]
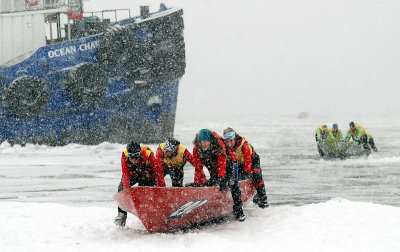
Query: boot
[263, 203]
[367, 150]
[239, 215]
[256, 199]
[372, 144]
[321, 153]
[120, 220]
[260, 198]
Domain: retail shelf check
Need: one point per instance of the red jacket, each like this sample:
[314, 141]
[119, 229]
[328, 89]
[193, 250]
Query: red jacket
[213, 159]
[148, 168]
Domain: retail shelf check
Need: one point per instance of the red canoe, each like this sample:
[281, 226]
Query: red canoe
[163, 209]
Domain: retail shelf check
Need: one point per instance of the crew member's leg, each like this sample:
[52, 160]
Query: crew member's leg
[213, 181]
[167, 171]
[120, 220]
[177, 177]
[231, 176]
[364, 141]
[147, 182]
[372, 143]
[256, 175]
[241, 173]
[321, 153]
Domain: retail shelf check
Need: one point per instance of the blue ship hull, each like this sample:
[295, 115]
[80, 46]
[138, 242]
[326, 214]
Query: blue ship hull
[114, 86]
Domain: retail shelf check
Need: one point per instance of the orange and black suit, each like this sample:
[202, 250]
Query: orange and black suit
[146, 173]
[249, 166]
[222, 166]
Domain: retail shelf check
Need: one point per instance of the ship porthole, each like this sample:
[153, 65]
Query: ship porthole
[27, 96]
[86, 83]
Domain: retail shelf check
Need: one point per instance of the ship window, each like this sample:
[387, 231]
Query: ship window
[55, 27]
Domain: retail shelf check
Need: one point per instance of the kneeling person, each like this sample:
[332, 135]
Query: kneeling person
[248, 162]
[172, 157]
[139, 166]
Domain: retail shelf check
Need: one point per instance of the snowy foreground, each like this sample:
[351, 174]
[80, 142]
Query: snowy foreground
[336, 225]
[60, 198]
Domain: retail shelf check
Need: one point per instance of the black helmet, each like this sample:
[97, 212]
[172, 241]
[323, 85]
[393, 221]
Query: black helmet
[351, 124]
[134, 150]
[172, 144]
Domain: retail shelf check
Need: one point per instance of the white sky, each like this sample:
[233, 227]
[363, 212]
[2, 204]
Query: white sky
[289, 56]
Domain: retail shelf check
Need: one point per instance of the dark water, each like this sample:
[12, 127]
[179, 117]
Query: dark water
[293, 172]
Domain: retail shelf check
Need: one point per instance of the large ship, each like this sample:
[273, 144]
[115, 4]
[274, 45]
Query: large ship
[69, 76]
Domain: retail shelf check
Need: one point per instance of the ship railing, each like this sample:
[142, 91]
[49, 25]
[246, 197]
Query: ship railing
[113, 16]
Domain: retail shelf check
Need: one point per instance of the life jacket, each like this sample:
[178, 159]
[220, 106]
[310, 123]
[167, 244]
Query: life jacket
[177, 161]
[142, 169]
[240, 141]
[358, 127]
[324, 133]
[337, 134]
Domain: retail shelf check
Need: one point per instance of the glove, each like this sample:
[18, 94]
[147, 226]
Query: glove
[212, 182]
[222, 185]
[246, 175]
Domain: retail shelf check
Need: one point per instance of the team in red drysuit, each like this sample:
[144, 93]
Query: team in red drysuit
[140, 166]
[209, 150]
[172, 157]
[248, 162]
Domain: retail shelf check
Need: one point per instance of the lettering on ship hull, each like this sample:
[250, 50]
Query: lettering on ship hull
[72, 49]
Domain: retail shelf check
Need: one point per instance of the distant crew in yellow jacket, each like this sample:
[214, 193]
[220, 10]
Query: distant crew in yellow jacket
[322, 133]
[359, 135]
[336, 133]
[356, 132]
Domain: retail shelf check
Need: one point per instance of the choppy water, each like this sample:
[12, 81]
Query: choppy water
[293, 172]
